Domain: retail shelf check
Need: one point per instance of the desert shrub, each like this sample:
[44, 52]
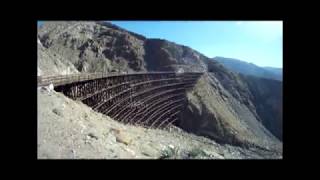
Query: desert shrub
[170, 152]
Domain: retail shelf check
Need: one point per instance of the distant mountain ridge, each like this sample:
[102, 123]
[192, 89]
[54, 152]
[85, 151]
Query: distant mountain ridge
[277, 71]
[246, 68]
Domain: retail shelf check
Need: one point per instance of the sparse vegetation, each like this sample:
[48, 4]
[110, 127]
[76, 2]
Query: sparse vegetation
[197, 153]
[170, 152]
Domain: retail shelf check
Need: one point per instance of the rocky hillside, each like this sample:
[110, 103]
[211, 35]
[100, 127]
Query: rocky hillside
[276, 71]
[97, 46]
[267, 97]
[69, 129]
[223, 105]
[215, 113]
[162, 55]
[93, 47]
[50, 63]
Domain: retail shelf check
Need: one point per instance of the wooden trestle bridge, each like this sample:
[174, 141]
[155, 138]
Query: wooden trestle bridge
[152, 99]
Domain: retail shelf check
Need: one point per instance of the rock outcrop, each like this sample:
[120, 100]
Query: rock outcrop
[92, 46]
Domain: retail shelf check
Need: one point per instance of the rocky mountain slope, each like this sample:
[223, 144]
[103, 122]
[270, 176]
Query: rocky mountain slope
[277, 71]
[99, 46]
[250, 69]
[50, 63]
[267, 97]
[91, 47]
[223, 106]
[213, 112]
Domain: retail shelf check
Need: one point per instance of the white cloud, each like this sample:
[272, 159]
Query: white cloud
[239, 22]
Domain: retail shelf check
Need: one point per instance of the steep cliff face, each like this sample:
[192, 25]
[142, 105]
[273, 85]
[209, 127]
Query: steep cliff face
[267, 97]
[262, 97]
[223, 105]
[214, 112]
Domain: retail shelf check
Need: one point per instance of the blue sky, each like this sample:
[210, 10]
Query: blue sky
[258, 42]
